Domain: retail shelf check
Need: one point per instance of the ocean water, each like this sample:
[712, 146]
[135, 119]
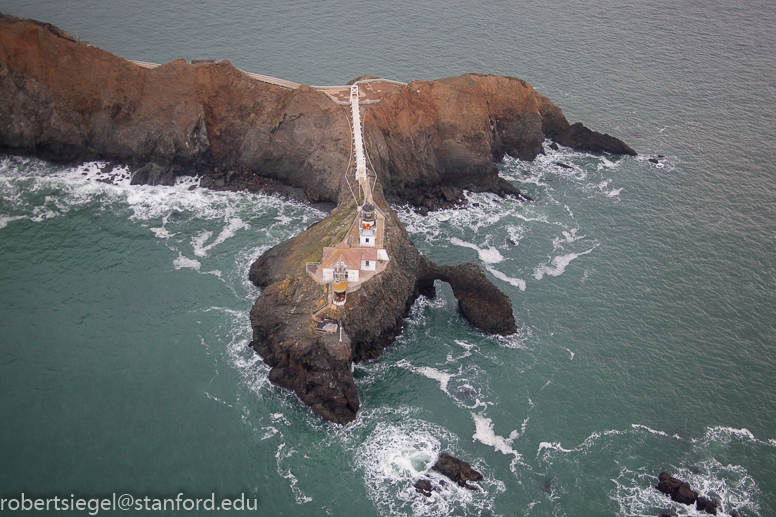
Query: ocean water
[644, 292]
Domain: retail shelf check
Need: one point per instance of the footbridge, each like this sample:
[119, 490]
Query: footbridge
[358, 146]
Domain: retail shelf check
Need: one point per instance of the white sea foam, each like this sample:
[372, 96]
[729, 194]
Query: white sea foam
[216, 399]
[559, 264]
[269, 432]
[489, 255]
[4, 220]
[395, 455]
[517, 282]
[649, 429]
[185, 262]
[731, 485]
[724, 434]
[281, 456]
[234, 224]
[485, 434]
[555, 446]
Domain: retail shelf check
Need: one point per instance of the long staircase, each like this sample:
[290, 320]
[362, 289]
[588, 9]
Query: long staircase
[358, 146]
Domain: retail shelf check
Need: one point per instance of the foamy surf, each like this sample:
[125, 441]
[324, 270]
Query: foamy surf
[395, 455]
[557, 265]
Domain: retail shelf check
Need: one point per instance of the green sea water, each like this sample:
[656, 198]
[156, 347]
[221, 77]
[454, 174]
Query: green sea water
[644, 292]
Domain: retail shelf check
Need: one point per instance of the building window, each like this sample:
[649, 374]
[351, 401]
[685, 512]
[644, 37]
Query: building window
[367, 239]
[366, 262]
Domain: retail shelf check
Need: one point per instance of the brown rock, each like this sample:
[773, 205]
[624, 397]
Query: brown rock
[676, 489]
[457, 470]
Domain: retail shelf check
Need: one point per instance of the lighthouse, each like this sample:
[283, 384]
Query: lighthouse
[367, 226]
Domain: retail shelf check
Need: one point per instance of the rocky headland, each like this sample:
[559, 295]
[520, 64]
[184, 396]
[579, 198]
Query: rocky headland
[427, 142]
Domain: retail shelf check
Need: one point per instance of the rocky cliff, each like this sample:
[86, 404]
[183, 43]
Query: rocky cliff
[69, 102]
[426, 141]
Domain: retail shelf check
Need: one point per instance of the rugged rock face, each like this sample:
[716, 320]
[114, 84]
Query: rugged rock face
[426, 141]
[681, 492]
[69, 102]
[457, 470]
[676, 489]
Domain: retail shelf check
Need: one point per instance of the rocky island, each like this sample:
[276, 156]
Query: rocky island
[425, 142]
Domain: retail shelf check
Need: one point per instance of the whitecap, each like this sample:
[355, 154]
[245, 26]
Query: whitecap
[559, 264]
[185, 262]
[489, 255]
[485, 434]
[648, 429]
[4, 220]
[555, 446]
[395, 455]
[198, 242]
[517, 282]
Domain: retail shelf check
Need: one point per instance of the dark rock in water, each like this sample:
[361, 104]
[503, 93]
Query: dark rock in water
[554, 146]
[509, 242]
[563, 165]
[579, 137]
[465, 393]
[424, 486]
[654, 160]
[660, 156]
[676, 489]
[704, 504]
[457, 470]
[475, 204]
[481, 302]
[695, 469]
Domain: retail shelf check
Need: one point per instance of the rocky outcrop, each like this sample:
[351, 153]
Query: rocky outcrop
[457, 470]
[681, 492]
[676, 489]
[69, 102]
[481, 302]
[316, 366]
[579, 137]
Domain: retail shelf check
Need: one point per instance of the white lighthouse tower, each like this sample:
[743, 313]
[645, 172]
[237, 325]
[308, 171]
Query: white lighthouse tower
[367, 226]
